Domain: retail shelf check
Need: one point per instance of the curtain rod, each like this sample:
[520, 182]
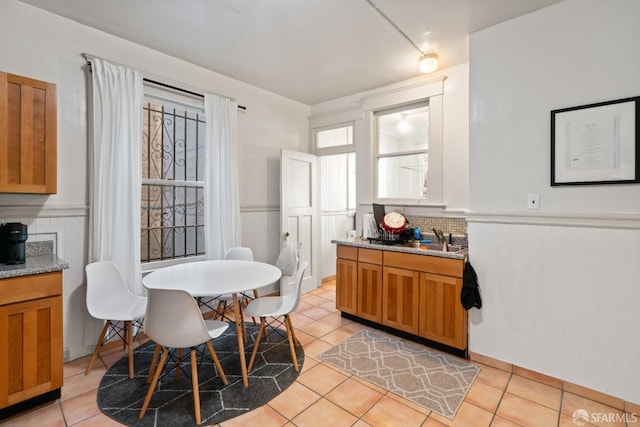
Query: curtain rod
[179, 89]
[89, 57]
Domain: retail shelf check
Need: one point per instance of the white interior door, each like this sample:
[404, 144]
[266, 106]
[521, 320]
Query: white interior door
[300, 210]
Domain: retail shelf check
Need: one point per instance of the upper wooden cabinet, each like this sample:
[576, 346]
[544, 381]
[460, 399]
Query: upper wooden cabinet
[28, 132]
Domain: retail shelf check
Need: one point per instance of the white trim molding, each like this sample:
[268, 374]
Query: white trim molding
[260, 208]
[44, 211]
[560, 219]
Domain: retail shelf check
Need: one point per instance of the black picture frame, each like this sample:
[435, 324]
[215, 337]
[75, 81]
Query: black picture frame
[596, 144]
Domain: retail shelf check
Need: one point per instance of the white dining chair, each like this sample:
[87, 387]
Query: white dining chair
[109, 299]
[173, 320]
[225, 301]
[276, 307]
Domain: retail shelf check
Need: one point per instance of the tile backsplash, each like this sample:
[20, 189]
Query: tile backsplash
[446, 224]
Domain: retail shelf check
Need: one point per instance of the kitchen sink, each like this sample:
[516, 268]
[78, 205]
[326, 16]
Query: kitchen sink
[438, 247]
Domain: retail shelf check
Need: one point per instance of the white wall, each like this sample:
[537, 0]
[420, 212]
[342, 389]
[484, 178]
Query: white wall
[43, 46]
[560, 286]
[455, 138]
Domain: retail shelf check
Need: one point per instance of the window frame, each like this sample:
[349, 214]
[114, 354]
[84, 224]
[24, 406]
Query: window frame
[377, 155]
[171, 99]
[431, 90]
[336, 149]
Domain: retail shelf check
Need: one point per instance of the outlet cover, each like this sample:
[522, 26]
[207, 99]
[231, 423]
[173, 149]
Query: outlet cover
[533, 202]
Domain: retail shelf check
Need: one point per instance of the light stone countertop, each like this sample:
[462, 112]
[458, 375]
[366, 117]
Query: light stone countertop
[360, 243]
[40, 259]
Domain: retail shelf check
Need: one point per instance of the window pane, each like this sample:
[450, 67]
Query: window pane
[403, 177]
[334, 137]
[171, 222]
[172, 146]
[402, 131]
[172, 215]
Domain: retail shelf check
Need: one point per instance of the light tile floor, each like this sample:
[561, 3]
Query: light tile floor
[324, 396]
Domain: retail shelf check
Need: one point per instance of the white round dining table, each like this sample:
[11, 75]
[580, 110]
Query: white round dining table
[217, 277]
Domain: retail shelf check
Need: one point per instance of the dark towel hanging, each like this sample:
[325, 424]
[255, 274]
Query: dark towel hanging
[470, 294]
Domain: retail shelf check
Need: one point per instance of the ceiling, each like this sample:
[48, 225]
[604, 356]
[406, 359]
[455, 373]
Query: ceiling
[307, 50]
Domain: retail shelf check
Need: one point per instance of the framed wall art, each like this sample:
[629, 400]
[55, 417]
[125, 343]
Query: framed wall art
[596, 143]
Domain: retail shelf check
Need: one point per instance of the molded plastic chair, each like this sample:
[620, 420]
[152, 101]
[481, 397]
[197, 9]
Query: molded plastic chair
[109, 298]
[278, 306]
[225, 301]
[173, 320]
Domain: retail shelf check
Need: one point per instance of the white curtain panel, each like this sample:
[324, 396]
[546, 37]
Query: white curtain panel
[222, 201]
[117, 93]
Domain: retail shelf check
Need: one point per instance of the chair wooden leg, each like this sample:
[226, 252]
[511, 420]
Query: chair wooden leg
[255, 295]
[214, 356]
[154, 360]
[255, 346]
[129, 334]
[125, 338]
[244, 327]
[222, 307]
[152, 387]
[179, 363]
[196, 390]
[292, 346]
[293, 332]
[98, 346]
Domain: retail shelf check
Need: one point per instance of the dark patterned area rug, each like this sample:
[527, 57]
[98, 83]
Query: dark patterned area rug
[435, 380]
[121, 398]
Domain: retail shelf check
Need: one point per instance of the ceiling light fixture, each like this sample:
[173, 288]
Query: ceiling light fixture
[428, 62]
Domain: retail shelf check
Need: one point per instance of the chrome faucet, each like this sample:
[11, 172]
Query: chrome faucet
[439, 235]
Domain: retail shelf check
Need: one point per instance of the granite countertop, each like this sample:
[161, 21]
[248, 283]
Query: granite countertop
[359, 243]
[39, 259]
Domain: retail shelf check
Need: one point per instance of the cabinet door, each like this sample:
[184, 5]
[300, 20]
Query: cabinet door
[442, 317]
[30, 349]
[400, 290]
[346, 285]
[370, 291]
[28, 132]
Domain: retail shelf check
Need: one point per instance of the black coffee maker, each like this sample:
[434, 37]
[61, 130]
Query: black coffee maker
[13, 236]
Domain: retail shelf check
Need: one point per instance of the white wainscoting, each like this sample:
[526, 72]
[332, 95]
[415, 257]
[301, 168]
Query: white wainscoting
[69, 225]
[559, 297]
[334, 226]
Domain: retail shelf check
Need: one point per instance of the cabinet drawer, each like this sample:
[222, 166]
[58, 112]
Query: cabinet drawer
[347, 252]
[18, 289]
[424, 263]
[371, 256]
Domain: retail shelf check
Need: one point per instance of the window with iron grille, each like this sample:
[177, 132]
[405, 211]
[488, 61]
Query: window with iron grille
[172, 215]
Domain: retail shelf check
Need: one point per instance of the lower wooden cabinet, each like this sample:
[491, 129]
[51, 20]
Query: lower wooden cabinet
[347, 285]
[347, 279]
[400, 298]
[417, 294]
[443, 319]
[31, 358]
[370, 292]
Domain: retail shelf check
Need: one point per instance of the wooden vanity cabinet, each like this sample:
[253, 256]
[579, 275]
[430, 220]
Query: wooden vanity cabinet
[443, 319]
[28, 133]
[31, 354]
[401, 289]
[370, 281]
[347, 279]
[413, 293]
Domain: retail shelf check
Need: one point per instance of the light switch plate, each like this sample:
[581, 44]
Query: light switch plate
[533, 202]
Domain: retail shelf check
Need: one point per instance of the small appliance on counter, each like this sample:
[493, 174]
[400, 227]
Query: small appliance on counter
[13, 236]
[393, 228]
